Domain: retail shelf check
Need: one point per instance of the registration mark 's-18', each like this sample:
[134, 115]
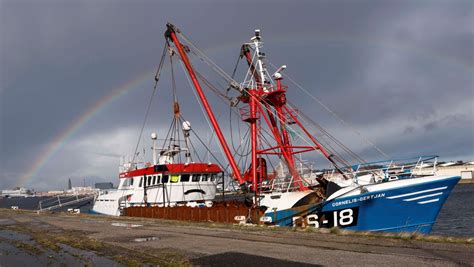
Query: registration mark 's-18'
[337, 218]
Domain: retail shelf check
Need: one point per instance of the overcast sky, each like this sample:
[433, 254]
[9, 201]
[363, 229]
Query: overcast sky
[401, 72]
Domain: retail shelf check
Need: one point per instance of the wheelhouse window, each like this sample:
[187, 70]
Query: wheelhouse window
[149, 180]
[154, 179]
[204, 178]
[184, 177]
[164, 179]
[196, 177]
[126, 182]
[141, 182]
[213, 177]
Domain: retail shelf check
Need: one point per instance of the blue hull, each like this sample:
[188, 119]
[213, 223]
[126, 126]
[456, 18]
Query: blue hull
[412, 208]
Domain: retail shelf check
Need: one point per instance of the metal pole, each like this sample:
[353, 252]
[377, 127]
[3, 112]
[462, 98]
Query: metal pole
[223, 189]
[163, 193]
[326, 154]
[253, 127]
[145, 195]
[318, 145]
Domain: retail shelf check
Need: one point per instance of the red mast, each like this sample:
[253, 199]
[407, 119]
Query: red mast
[171, 35]
[269, 98]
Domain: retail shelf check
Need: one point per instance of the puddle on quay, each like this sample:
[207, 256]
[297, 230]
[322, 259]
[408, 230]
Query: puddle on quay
[144, 239]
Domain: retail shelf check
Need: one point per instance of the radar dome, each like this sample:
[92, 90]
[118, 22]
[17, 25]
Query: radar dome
[154, 136]
[186, 126]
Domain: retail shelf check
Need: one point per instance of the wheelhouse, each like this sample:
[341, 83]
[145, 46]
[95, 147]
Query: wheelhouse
[171, 174]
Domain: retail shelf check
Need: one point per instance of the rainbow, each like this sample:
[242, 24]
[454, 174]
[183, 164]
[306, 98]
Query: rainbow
[139, 80]
[97, 107]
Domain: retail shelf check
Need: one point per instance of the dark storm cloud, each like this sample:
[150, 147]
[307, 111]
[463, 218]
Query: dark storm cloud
[400, 71]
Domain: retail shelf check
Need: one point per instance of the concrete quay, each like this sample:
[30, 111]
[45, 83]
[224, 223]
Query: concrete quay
[128, 241]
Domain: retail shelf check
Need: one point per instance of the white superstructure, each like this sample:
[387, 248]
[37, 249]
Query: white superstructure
[166, 182]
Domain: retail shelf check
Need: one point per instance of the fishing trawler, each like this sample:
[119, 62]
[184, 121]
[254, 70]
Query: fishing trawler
[268, 163]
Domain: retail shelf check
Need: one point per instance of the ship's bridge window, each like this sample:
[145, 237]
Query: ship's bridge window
[158, 180]
[184, 177]
[149, 180]
[204, 177]
[213, 177]
[174, 178]
[164, 179]
[154, 179]
[141, 182]
[196, 177]
[127, 181]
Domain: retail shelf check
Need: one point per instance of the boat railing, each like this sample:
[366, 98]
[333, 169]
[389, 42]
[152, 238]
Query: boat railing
[60, 201]
[413, 160]
[278, 186]
[397, 169]
[417, 164]
[372, 172]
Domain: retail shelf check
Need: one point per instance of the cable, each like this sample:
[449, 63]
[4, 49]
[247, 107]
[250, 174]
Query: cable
[157, 77]
[334, 114]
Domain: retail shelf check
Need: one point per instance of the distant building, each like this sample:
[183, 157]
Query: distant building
[104, 186]
[82, 190]
[459, 168]
[53, 193]
[69, 184]
[463, 169]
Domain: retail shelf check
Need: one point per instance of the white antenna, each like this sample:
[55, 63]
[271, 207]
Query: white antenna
[256, 40]
[154, 137]
[186, 129]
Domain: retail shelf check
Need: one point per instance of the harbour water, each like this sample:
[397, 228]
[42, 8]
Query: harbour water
[457, 215]
[455, 218]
